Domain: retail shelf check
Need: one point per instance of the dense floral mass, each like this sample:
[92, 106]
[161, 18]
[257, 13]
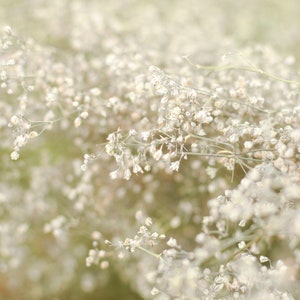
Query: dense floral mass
[150, 150]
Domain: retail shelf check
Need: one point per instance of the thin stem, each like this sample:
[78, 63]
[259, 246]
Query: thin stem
[157, 256]
[256, 70]
[207, 154]
[248, 245]
[211, 140]
[253, 69]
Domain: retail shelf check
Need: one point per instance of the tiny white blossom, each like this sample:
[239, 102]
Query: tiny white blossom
[33, 134]
[14, 155]
[137, 169]
[104, 264]
[132, 132]
[242, 223]
[84, 115]
[127, 174]
[96, 235]
[241, 245]
[95, 92]
[154, 291]
[14, 120]
[77, 122]
[83, 167]
[145, 135]
[248, 144]
[158, 154]
[148, 222]
[172, 243]
[263, 259]
[114, 174]
[21, 140]
[175, 166]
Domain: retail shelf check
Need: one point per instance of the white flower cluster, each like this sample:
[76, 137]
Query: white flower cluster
[111, 112]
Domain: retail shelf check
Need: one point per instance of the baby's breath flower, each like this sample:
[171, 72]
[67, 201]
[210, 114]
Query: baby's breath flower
[95, 91]
[263, 259]
[148, 222]
[172, 243]
[77, 122]
[104, 264]
[158, 154]
[137, 169]
[154, 291]
[33, 134]
[84, 115]
[175, 166]
[114, 174]
[127, 174]
[248, 144]
[14, 155]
